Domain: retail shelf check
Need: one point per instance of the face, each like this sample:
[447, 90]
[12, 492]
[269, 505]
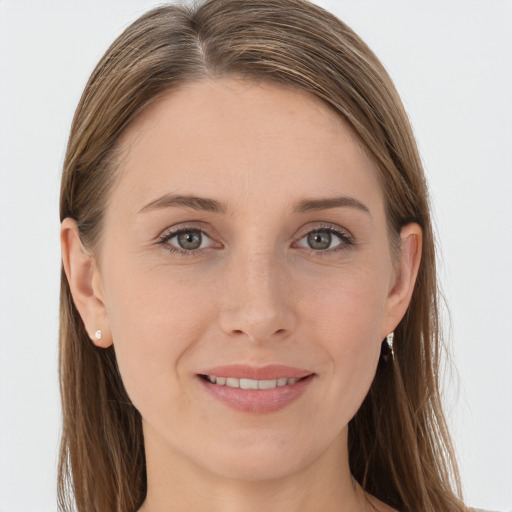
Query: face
[245, 243]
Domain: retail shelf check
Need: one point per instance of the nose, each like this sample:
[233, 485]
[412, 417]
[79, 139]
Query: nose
[257, 303]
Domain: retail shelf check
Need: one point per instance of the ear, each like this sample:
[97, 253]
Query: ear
[85, 283]
[404, 279]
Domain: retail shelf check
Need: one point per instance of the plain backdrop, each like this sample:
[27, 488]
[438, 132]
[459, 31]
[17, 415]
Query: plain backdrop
[452, 63]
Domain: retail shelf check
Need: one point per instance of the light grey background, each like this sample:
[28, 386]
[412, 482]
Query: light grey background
[452, 63]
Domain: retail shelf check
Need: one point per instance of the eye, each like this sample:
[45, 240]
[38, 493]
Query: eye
[186, 240]
[325, 239]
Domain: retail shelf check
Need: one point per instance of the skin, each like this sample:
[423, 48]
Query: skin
[255, 292]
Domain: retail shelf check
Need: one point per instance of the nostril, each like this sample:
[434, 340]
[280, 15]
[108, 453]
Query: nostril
[258, 323]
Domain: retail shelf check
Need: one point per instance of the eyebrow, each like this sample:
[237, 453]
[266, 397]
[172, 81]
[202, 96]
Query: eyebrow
[212, 205]
[196, 203]
[310, 205]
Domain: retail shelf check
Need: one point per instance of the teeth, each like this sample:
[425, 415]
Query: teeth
[233, 382]
[267, 384]
[248, 384]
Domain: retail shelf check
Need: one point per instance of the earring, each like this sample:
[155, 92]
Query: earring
[389, 340]
[386, 349]
[97, 334]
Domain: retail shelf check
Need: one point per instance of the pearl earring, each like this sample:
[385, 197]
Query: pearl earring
[97, 334]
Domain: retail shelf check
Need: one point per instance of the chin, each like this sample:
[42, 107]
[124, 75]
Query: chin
[257, 460]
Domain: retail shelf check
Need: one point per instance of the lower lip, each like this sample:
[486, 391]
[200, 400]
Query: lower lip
[258, 401]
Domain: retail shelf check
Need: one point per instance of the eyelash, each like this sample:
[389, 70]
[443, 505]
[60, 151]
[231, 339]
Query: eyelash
[171, 233]
[346, 240]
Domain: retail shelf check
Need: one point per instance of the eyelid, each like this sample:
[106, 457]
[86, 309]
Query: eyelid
[346, 238]
[174, 231]
[187, 226]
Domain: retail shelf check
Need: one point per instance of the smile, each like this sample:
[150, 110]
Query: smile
[256, 390]
[233, 382]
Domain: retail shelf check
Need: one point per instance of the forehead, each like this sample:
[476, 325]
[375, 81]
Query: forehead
[248, 103]
[227, 134]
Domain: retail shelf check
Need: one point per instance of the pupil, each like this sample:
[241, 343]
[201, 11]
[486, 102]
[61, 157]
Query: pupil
[319, 240]
[190, 240]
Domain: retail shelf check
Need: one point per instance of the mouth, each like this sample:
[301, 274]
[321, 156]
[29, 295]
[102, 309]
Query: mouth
[244, 383]
[256, 390]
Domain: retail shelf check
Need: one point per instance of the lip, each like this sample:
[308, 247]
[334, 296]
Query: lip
[244, 371]
[259, 401]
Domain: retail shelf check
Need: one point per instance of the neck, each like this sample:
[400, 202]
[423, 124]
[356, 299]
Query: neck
[175, 484]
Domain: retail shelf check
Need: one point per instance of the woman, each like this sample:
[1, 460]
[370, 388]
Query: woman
[249, 304]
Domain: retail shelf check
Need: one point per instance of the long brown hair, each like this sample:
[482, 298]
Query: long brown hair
[399, 447]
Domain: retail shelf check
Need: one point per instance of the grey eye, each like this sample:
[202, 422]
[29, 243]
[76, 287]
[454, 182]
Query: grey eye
[323, 239]
[189, 240]
[319, 240]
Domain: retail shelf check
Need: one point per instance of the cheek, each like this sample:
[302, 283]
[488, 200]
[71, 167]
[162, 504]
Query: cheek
[348, 305]
[154, 323]
[346, 315]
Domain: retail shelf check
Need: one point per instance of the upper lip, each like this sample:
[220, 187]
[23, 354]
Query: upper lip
[269, 372]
